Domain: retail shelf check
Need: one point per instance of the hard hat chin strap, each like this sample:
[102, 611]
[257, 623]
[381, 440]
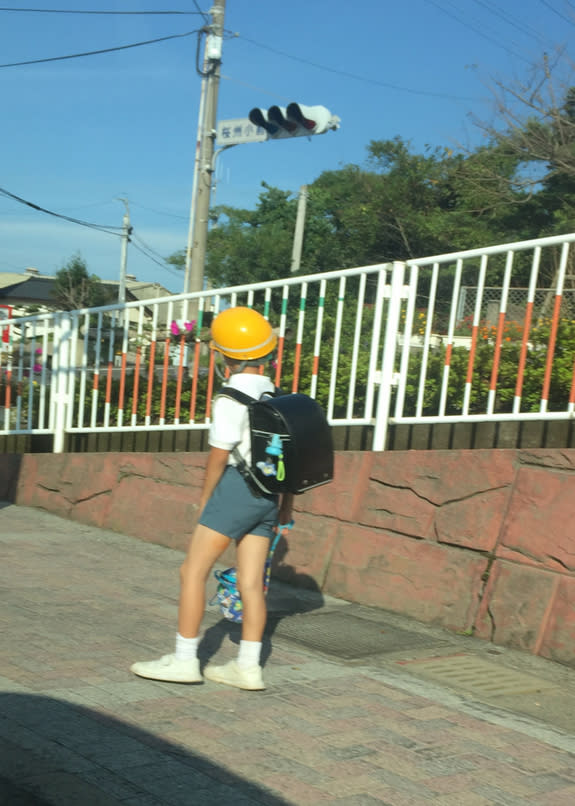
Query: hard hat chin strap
[236, 367]
[220, 372]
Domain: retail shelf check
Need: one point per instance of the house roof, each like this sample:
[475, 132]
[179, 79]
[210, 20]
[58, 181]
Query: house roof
[36, 289]
[9, 278]
[31, 289]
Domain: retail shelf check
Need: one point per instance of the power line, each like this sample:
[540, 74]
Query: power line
[476, 30]
[354, 76]
[148, 248]
[140, 249]
[99, 227]
[254, 87]
[75, 11]
[147, 252]
[511, 20]
[559, 14]
[160, 212]
[98, 52]
[203, 13]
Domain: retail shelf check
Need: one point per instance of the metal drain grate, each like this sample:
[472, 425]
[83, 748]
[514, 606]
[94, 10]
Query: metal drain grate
[346, 636]
[475, 675]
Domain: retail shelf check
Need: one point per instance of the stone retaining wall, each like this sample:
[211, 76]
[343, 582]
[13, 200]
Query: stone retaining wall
[481, 542]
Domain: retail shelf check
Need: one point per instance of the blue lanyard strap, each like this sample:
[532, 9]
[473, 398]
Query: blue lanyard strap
[281, 527]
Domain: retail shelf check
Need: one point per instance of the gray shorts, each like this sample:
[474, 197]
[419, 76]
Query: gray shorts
[234, 511]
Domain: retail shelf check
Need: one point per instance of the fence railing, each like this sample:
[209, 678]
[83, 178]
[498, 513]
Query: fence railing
[376, 345]
[489, 365]
[147, 365]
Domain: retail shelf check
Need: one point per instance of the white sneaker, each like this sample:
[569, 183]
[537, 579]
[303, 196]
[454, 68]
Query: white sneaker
[169, 669]
[231, 674]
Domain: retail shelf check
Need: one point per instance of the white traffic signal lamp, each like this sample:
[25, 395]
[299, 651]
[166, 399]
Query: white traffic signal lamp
[296, 120]
[312, 119]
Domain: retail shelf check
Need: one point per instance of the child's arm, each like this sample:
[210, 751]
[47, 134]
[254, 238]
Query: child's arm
[217, 462]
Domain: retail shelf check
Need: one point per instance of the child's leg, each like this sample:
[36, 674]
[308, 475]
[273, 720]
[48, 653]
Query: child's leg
[205, 547]
[246, 672]
[252, 553]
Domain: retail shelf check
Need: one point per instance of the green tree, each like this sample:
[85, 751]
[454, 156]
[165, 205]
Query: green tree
[534, 123]
[400, 205]
[74, 288]
[248, 246]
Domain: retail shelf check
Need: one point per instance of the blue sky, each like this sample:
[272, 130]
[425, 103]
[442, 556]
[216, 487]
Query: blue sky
[79, 134]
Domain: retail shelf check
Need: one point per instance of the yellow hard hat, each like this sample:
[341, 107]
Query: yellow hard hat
[242, 334]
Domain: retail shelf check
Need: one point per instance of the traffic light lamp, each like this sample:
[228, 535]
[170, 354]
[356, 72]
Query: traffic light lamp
[295, 120]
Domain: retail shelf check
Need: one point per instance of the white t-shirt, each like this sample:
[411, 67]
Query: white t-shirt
[230, 424]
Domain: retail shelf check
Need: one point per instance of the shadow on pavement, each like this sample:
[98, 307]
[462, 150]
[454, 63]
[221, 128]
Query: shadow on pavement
[301, 595]
[53, 752]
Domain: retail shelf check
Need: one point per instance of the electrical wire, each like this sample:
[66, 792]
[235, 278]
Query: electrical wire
[203, 13]
[511, 20]
[199, 70]
[559, 14]
[257, 89]
[75, 11]
[98, 52]
[354, 76]
[476, 30]
[141, 245]
[162, 263]
[159, 212]
[90, 225]
[146, 254]
[146, 246]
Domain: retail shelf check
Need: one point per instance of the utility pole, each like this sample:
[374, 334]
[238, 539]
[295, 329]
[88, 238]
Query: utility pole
[299, 227]
[201, 112]
[126, 232]
[201, 203]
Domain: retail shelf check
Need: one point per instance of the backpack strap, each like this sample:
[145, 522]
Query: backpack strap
[242, 397]
[241, 464]
[235, 394]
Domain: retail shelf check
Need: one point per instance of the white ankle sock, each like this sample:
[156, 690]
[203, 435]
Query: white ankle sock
[249, 654]
[186, 648]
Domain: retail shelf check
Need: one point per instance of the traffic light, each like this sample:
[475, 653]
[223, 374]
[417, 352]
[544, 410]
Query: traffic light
[295, 120]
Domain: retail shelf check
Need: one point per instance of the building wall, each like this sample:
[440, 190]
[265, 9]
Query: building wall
[481, 542]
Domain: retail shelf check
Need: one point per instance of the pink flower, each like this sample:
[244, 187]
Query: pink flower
[175, 329]
[37, 367]
[189, 325]
[38, 351]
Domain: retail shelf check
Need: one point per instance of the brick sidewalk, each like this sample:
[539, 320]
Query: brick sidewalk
[79, 605]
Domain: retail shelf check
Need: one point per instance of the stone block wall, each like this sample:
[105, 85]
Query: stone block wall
[480, 541]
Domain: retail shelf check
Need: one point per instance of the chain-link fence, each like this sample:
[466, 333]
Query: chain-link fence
[543, 303]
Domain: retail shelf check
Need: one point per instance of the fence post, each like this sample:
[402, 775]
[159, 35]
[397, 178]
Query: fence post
[388, 357]
[62, 339]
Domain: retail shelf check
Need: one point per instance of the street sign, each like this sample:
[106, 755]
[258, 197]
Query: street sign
[237, 131]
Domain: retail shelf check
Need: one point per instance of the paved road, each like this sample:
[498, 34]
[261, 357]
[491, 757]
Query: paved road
[362, 707]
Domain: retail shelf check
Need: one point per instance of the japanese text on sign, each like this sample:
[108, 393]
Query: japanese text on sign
[239, 130]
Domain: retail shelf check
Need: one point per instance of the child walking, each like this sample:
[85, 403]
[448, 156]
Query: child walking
[230, 511]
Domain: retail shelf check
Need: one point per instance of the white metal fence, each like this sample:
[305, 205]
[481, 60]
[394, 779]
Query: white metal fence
[375, 345]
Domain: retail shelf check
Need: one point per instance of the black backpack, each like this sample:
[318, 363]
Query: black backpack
[291, 444]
